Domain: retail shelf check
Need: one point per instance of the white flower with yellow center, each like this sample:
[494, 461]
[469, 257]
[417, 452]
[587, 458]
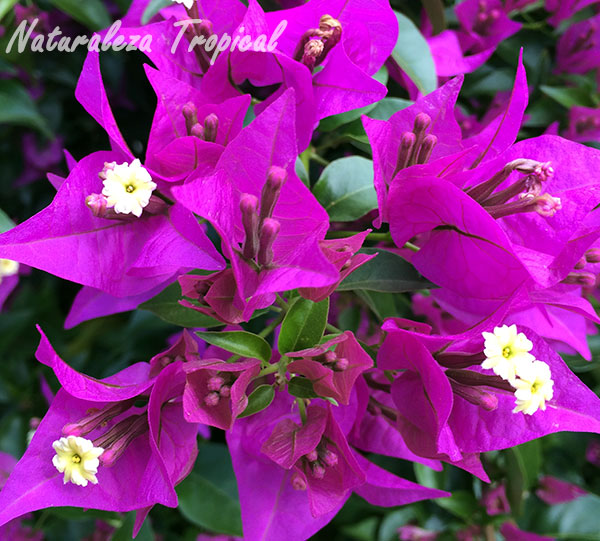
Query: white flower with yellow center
[77, 458]
[8, 267]
[533, 388]
[505, 350]
[187, 3]
[128, 188]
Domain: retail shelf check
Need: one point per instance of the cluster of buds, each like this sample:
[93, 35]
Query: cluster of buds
[582, 276]
[316, 43]
[527, 190]
[416, 146]
[260, 228]
[207, 131]
[485, 18]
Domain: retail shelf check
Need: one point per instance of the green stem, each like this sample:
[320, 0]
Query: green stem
[319, 159]
[410, 246]
[272, 326]
[333, 329]
[270, 369]
[281, 302]
[301, 409]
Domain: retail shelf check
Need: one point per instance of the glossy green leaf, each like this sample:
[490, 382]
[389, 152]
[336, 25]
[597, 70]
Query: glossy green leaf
[413, 56]
[241, 343]
[516, 478]
[259, 400]
[303, 325]
[166, 306]
[206, 505]
[530, 455]
[346, 189]
[302, 172]
[153, 8]
[301, 388]
[387, 272]
[125, 532]
[17, 107]
[385, 305]
[91, 13]
[569, 97]
[461, 504]
[5, 222]
[6, 6]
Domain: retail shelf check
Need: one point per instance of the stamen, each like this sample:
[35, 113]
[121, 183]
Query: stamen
[97, 418]
[122, 438]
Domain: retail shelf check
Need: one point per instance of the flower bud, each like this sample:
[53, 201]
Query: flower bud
[268, 233]
[211, 127]
[276, 178]
[249, 208]
[190, 113]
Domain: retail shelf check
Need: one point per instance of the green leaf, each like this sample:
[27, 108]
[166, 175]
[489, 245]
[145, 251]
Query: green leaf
[125, 532]
[428, 477]
[17, 107]
[388, 107]
[6, 6]
[515, 480]
[166, 306]
[207, 506]
[530, 455]
[303, 325]
[387, 272]
[241, 343]
[333, 122]
[568, 97]
[153, 8]
[302, 172]
[5, 222]
[384, 305]
[90, 13]
[461, 504]
[412, 54]
[346, 189]
[301, 388]
[259, 400]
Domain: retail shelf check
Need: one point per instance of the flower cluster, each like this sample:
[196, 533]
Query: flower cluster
[495, 240]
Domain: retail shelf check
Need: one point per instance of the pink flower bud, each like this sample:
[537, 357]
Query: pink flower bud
[212, 399]
[249, 208]
[215, 383]
[211, 127]
[276, 178]
[268, 234]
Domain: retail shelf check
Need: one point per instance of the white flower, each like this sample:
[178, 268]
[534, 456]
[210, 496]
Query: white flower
[8, 267]
[506, 350]
[128, 188]
[187, 3]
[533, 387]
[78, 459]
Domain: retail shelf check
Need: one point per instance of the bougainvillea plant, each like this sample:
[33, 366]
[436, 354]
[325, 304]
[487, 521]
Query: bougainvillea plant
[336, 269]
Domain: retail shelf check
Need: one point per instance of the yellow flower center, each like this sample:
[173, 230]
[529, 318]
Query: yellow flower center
[76, 459]
[506, 352]
[130, 188]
